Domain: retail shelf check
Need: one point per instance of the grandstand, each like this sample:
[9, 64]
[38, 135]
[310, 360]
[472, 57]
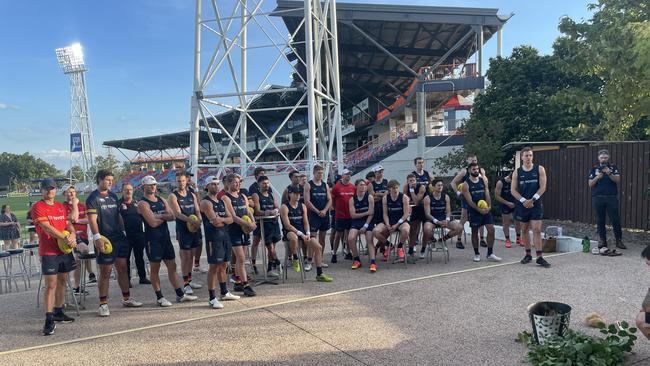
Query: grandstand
[388, 55]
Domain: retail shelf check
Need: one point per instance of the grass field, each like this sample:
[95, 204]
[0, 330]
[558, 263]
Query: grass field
[20, 205]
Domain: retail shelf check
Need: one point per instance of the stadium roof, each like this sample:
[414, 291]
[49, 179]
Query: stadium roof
[415, 37]
[176, 140]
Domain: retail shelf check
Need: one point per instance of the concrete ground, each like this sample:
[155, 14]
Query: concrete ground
[459, 313]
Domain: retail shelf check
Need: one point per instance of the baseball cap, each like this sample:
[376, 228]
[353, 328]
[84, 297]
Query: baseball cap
[212, 179]
[66, 187]
[294, 189]
[377, 168]
[148, 180]
[48, 183]
[345, 172]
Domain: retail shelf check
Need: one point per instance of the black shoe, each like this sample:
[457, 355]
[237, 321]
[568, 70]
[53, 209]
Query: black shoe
[620, 245]
[483, 243]
[77, 291]
[49, 328]
[130, 284]
[92, 278]
[526, 259]
[459, 245]
[62, 318]
[333, 258]
[542, 262]
[238, 287]
[144, 281]
[348, 256]
[602, 243]
[249, 292]
[255, 269]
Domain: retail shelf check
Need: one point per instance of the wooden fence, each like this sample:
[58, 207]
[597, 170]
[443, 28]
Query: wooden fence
[568, 196]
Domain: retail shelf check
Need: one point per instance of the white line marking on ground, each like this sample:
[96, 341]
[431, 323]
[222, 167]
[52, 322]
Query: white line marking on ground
[260, 307]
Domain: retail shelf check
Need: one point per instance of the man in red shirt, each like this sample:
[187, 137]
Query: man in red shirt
[77, 216]
[51, 220]
[341, 194]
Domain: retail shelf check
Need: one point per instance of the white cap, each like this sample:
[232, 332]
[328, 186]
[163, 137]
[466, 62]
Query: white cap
[148, 180]
[377, 168]
[212, 179]
[66, 187]
[345, 172]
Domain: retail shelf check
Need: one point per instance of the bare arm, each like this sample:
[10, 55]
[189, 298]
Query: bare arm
[306, 193]
[596, 178]
[256, 202]
[284, 217]
[285, 196]
[305, 219]
[329, 201]
[371, 210]
[145, 211]
[419, 196]
[406, 202]
[427, 208]
[456, 181]
[468, 198]
[542, 181]
[513, 187]
[176, 208]
[353, 211]
[447, 208]
[168, 215]
[74, 211]
[497, 193]
[384, 205]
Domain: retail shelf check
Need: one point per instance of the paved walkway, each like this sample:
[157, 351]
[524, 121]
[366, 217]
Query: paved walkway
[460, 313]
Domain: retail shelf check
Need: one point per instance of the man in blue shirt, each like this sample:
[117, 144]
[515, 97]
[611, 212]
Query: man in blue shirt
[603, 181]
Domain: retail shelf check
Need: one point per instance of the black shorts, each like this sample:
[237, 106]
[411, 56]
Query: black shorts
[505, 210]
[54, 264]
[317, 223]
[237, 236]
[332, 220]
[121, 249]
[159, 249]
[358, 224]
[31, 230]
[271, 233]
[188, 240]
[523, 214]
[343, 224]
[478, 220]
[417, 214]
[217, 244]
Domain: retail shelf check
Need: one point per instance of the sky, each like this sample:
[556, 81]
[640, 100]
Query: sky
[139, 56]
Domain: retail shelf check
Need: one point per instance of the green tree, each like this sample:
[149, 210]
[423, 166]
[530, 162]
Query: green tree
[614, 48]
[25, 167]
[527, 100]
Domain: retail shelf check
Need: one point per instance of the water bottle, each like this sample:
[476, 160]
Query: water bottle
[586, 244]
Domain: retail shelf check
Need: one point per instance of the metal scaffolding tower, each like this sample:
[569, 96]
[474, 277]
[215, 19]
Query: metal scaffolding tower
[240, 47]
[82, 147]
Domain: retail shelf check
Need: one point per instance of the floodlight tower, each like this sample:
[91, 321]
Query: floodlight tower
[82, 147]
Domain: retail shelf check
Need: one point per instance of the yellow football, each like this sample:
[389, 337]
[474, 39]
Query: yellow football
[245, 228]
[482, 204]
[108, 247]
[460, 186]
[430, 188]
[191, 227]
[63, 244]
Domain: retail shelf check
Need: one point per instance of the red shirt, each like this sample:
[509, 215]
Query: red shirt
[80, 229]
[221, 193]
[57, 216]
[341, 194]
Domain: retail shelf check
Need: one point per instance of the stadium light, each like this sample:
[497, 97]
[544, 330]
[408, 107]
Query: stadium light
[82, 146]
[71, 58]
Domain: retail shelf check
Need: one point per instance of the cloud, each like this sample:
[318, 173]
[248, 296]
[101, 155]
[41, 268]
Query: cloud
[54, 153]
[9, 106]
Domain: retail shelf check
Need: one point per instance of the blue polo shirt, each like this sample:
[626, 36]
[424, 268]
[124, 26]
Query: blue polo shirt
[605, 186]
